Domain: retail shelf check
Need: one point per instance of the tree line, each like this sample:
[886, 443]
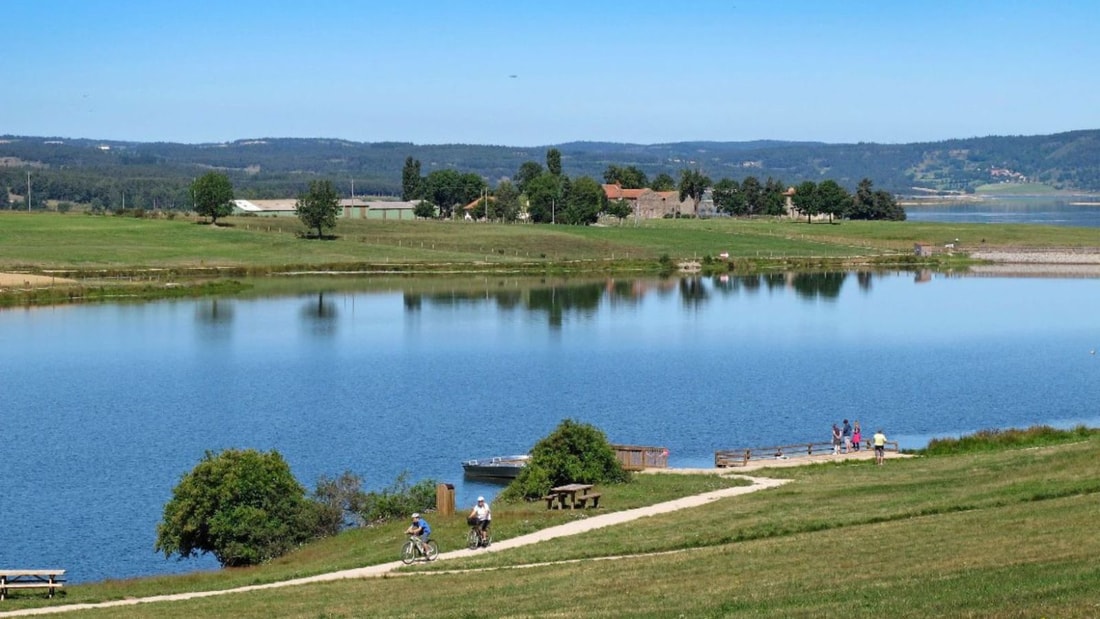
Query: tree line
[554, 197]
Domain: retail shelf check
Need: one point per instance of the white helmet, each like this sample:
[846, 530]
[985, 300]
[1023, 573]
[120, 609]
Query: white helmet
[416, 515]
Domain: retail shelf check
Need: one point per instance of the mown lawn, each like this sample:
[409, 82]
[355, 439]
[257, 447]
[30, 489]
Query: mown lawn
[1007, 533]
[72, 241]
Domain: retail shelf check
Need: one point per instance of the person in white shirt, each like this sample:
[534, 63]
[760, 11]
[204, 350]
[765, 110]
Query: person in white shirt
[481, 516]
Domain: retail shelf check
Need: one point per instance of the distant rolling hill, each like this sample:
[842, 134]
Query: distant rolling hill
[83, 170]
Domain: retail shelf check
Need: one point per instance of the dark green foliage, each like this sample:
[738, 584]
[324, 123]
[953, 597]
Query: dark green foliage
[553, 161]
[663, 182]
[584, 203]
[620, 209]
[693, 184]
[994, 440]
[212, 194]
[398, 500]
[544, 197]
[832, 199]
[573, 452]
[424, 209]
[529, 171]
[505, 205]
[410, 179]
[319, 208]
[628, 177]
[871, 204]
[450, 189]
[243, 506]
[728, 198]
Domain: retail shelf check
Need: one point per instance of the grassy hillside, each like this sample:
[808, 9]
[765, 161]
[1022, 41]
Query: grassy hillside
[1001, 532]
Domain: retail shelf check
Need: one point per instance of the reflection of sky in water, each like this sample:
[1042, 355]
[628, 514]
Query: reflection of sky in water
[129, 397]
[1020, 211]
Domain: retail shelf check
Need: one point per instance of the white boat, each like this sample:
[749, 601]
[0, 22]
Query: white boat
[500, 467]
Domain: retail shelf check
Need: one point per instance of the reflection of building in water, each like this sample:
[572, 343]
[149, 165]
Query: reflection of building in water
[924, 275]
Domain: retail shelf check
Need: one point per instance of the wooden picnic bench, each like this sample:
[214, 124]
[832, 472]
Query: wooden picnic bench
[573, 496]
[51, 580]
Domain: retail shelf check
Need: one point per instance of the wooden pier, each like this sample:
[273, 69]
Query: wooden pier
[742, 457]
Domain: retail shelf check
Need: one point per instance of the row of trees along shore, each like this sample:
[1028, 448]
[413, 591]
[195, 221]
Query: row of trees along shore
[553, 197]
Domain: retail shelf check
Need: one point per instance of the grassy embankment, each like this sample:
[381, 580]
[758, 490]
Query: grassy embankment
[1000, 528]
[120, 257]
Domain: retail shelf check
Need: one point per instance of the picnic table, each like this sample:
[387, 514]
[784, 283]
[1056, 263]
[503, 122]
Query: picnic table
[573, 495]
[30, 579]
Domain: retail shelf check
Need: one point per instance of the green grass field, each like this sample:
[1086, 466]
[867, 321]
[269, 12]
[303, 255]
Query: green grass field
[988, 532]
[38, 242]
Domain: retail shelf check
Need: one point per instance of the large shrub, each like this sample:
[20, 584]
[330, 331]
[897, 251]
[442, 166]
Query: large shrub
[243, 506]
[573, 452]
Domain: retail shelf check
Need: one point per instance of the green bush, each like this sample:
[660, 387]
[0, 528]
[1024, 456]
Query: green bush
[243, 506]
[398, 500]
[573, 452]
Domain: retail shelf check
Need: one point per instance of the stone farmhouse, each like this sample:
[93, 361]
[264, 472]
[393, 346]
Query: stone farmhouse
[649, 204]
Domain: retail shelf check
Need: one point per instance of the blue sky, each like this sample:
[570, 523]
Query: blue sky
[626, 71]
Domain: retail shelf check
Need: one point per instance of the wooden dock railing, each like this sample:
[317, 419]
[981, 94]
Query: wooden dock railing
[741, 457]
[638, 457]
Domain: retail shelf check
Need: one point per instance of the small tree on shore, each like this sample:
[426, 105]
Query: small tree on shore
[319, 208]
[573, 452]
[212, 194]
[243, 506]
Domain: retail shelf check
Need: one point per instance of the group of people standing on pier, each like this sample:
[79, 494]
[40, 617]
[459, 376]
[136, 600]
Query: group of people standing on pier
[849, 437]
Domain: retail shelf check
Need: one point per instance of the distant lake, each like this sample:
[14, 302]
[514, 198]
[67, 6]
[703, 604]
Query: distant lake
[106, 406]
[1013, 210]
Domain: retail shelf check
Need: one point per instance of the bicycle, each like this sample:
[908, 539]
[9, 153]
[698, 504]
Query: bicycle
[473, 540]
[411, 550]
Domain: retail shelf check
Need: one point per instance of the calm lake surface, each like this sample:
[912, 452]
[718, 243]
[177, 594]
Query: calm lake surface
[106, 406]
[1014, 210]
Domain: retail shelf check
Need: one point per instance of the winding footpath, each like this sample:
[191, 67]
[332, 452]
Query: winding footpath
[374, 571]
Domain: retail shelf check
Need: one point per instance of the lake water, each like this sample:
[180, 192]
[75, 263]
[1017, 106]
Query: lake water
[1049, 211]
[106, 406]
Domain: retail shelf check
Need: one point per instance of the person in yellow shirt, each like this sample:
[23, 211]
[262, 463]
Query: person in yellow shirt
[879, 442]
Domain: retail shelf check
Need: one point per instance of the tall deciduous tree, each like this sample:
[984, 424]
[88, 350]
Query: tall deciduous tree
[243, 506]
[212, 194]
[506, 206]
[585, 202]
[528, 172]
[693, 184]
[775, 203]
[832, 199]
[728, 198]
[805, 199]
[753, 194]
[319, 208]
[544, 195]
[553, 161]
[410, 179]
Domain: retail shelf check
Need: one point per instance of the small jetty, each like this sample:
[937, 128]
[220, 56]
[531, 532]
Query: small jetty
[743, 457]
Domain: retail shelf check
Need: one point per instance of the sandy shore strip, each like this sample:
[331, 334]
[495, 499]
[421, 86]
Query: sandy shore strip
[1083, 255]
[26, 280]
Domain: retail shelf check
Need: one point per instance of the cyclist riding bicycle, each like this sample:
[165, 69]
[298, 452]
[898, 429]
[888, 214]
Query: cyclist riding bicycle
[481, 516]
[420, 530]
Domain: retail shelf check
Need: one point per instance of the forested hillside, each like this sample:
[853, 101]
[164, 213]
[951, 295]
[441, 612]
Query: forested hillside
[157, 175]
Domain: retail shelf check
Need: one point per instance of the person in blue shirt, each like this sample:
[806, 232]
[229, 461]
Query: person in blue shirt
[421, 531]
